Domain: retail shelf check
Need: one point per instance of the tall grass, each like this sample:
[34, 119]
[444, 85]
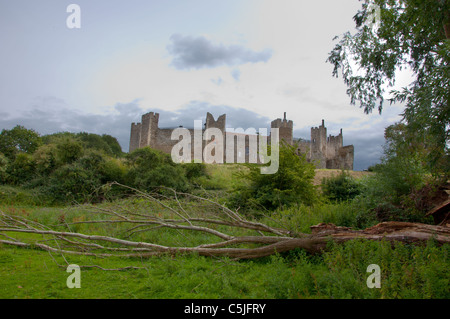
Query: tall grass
[341, 272]
[300, 218]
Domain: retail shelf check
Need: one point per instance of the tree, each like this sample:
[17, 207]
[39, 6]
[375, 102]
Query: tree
[18, 139]
[106, 143]
[68, 150]
[113, 144]
[408, 34]
[21, 170]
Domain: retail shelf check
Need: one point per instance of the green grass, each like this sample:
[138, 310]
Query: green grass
[10, 195]
[406, 271]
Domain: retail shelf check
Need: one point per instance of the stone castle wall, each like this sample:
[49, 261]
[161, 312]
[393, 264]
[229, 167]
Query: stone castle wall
[324, 151]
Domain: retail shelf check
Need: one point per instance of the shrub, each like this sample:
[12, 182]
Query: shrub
[291, 185]
[72, 182]
[68, 151]
[3, 169]
[194, 170]
[45, 158]
[151, 168]
[113, 170]
[94, 141]
[114, 145]
[340, 188]
[21, 170]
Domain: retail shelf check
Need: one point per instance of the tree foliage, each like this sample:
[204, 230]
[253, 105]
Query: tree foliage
[106, 143]
[291, 184]
[66, 167]
[407, 34]
[18, 139]
[150, 168]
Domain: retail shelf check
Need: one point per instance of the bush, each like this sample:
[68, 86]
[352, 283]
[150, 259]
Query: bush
[45, 159]
[94, 141]
[340, 188]
[72, 182]
[395, 192]
[194, 170]
[151, 168]
[114, 145]
[3, 169]
[16, 195]
[68, 151]
[113, 170]
[291, 185]
[21, 170]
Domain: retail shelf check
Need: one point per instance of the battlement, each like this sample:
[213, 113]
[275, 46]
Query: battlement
[285, 129]
[323, 151]
[219, 123]
[152, 117]
[278, 123]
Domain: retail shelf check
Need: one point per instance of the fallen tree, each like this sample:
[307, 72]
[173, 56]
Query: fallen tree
[230, 234]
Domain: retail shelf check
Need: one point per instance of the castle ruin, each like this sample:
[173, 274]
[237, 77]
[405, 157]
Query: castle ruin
[324, 151]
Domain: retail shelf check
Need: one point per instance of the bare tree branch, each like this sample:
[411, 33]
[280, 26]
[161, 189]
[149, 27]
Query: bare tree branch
[227, 233]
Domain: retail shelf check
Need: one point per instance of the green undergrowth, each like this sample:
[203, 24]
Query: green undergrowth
[341, 272]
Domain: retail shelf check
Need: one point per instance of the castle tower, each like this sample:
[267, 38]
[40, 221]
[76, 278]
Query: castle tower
[334, 144]
[285, 129]
[135, 136]
[149, 127]
[220, 123]
[319, 145]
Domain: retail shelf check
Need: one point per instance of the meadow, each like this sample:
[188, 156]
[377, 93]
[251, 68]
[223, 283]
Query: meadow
[407, 271]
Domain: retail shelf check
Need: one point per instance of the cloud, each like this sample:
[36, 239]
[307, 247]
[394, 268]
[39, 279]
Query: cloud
[47, 118]
[217, 81]
[236, 74]
[50, 115]
[196, 110]
[199, 52]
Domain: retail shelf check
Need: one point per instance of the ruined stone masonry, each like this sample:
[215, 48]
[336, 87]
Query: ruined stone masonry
[324, 151]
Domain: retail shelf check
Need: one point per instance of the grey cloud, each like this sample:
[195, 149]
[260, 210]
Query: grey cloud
[199, 52]
[367, 150]
[47, 118]
[58, 118]
[367, 144]
[236, 74]
[196, 110]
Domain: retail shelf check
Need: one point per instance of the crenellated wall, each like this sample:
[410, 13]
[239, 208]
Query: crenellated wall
[324, 151]
[285, 129]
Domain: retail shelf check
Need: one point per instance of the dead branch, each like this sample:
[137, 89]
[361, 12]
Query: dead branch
[227, 234]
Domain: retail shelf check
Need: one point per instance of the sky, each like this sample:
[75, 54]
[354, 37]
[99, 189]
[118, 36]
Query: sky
[250, 59]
